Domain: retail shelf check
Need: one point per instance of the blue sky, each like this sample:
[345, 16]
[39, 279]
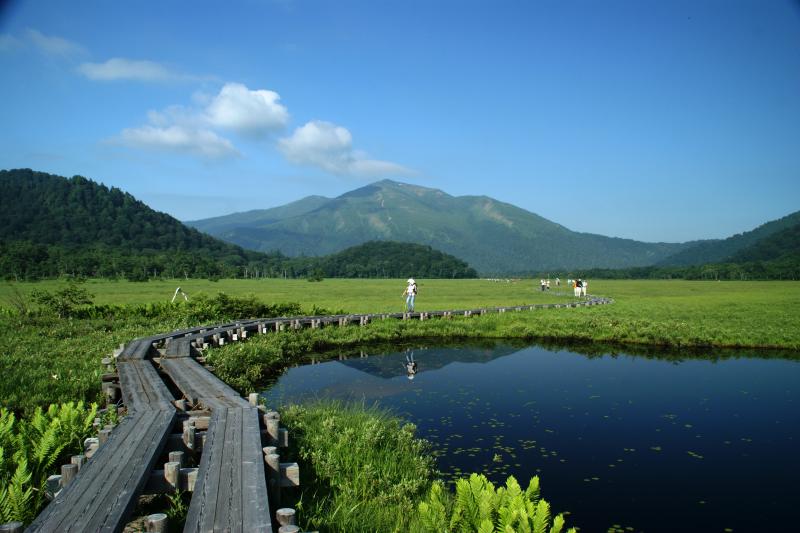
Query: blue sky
[653, 120]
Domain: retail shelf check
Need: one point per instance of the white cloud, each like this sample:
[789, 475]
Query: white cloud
[52, 45]
[330, 147]
[176, 138]
[119, 68]
[253, 113]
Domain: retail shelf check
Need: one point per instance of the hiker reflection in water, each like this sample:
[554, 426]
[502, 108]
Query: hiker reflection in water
[411, 365]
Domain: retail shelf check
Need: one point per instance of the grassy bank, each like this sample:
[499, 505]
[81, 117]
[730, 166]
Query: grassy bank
[363, 470]
[669, 314]
[47, 360]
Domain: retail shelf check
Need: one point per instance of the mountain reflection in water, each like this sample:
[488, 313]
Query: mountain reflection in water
[657, 441]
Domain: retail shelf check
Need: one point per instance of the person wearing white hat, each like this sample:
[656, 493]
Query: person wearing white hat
[410, 293]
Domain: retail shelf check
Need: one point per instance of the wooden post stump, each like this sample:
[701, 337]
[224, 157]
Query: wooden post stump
[285, 516]
[68, 473]
[156, 523]
[176, 457]
[172, 474]
[78, 460]
[274, 476]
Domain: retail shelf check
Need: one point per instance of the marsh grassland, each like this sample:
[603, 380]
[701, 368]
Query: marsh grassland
[45, 359]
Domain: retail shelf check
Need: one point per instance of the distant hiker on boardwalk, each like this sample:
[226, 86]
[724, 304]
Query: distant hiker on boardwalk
[411, 366]
[541, 284]
[584, 287]
[558, 282]
[578, 288]
[410, 293]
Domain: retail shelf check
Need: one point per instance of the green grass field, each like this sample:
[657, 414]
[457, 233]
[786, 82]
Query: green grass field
[49, 360]
[352, 295]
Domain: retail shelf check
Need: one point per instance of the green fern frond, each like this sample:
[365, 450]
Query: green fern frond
[542, 517]
[19, 498]
[558, 524]
[7, 423]
[486, 526]
[433, 511]
[533, 490]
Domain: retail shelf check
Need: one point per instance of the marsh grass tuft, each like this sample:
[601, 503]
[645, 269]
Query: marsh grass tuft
[362, 468]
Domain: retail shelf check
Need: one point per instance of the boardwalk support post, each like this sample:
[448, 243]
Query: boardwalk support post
[285, 516]
[156, 523]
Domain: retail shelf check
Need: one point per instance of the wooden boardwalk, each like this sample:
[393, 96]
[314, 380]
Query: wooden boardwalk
[171, 398]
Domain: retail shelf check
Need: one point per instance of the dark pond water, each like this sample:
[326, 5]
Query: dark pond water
[620, 441]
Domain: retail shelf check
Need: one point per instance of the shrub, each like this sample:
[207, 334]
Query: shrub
[64, 302]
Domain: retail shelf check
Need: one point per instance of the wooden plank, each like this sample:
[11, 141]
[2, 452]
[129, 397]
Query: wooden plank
[200, 517]
[156, 394]
[199, 384]
[228, 513]
[254, 487]
[180, 347]
[105, 490]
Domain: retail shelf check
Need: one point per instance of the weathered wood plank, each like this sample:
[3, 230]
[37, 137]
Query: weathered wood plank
[200, 385]
[254, 488]
[104, 492]
[200, 517]
[228, 513]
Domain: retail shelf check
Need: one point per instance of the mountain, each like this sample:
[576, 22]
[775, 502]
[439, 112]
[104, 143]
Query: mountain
[490, 235]
[52, 226]
[718, 251]
[782, 245]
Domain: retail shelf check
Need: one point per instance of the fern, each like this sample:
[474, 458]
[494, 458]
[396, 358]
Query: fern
[558, 524]
[16, 499]
[477, 507]
[433, 512]
[542, 517]
[31, 448]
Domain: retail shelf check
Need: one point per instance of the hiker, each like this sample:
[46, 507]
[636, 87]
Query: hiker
[541, 284]
[410, 293]
[548, 284]
[411, 366]
[578, 288]
[584, 287]
[558, 282]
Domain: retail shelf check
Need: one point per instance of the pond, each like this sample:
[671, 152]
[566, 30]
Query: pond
[653, 442]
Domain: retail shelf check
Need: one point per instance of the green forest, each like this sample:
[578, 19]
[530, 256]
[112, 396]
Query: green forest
[53, 227]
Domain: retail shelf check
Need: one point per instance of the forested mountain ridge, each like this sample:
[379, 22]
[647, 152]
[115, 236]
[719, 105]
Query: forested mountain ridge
[717, 251]
[781, 245]
[52, 226]
[387, 259]
[493, 236]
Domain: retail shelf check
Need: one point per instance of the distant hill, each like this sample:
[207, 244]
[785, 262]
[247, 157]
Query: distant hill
[492, 236]
[387, 259]
[52, 226]
[718, 251]
[774, 256]
[780, 246]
